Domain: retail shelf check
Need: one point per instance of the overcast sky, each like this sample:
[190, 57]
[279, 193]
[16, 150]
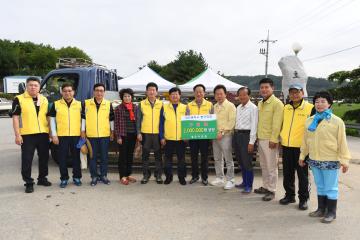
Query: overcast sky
[126, 34]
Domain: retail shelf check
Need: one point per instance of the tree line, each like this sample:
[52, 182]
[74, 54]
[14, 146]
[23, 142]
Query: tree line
[27, 58]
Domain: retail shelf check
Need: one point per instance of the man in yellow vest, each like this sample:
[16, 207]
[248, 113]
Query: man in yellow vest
[268, 133]
[170, 135]
[292, 134]
[65, 123]
[199, 106]
[147, 126]
[98, 126]
[31, 130]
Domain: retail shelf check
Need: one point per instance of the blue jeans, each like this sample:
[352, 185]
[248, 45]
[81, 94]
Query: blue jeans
[326, 181]
[99, 146]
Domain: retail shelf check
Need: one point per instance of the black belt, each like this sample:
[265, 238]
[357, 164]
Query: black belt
[242, 131]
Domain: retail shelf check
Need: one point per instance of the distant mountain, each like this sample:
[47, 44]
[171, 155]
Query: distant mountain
[314, 84]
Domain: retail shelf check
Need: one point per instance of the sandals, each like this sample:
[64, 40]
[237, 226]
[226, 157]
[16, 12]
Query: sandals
[131, 179]
[124, 181]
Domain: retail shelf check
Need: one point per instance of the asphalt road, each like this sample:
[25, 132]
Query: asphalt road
[154, 211]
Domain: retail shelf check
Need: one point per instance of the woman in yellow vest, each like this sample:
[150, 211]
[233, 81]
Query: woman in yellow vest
[32, 132]
[325, 143]
[65, 123]
[295, 114]
[98, 127]
[199, 106]
[170, 135]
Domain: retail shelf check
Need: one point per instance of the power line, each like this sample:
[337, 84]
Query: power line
[323, 6]
[311, 21]
[330, 54]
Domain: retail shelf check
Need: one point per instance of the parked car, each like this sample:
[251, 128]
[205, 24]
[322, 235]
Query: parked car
[5, 106]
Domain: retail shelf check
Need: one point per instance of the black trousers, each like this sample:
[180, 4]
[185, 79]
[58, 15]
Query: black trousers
[40, 142]
[126, 154]
[151, 142]
[67, 144]
[203, 147]
[170, 148]
[241, 141]
[290, 165]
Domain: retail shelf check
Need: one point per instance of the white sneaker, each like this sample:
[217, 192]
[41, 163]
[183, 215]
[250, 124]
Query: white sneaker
[229, 185]
[217, 182]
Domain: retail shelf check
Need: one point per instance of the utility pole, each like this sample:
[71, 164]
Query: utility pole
[265, 52]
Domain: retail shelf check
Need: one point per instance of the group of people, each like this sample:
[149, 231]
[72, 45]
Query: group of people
[309, 136]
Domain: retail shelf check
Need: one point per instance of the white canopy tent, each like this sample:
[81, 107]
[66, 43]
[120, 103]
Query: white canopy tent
[209, 79]
[137, 81]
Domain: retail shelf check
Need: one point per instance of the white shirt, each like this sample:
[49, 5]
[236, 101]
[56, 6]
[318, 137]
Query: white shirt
[247, 119]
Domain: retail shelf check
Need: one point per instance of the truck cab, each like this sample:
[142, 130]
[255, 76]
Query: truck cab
[83, 80]
[82, 77]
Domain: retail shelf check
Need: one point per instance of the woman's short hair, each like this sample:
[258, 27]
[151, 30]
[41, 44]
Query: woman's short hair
[323, 94]
[126, 90]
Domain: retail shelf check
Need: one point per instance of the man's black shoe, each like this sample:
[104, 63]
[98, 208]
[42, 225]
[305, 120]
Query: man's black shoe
[286, 200]
[44, 182]
[145, 180]
[182, 181]
[269, 196]
[261, 190]
[168, 180]
[303, 205]
[204, 182]
[194, 180]
[159, 180]
[29, 187]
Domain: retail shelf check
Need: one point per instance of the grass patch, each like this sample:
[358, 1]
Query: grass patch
[340, 109]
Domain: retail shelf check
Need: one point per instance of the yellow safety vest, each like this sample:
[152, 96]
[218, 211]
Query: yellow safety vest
[172, 126]
[292, 132]
[68, 119]
[30, 122]
[204, 108]
[97, 121]
[150, 116]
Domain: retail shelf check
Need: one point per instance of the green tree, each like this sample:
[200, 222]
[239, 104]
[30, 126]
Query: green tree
[27, 58]
[72, 52]
[8, 58]
[155, 66]
[348, 85]
[348, 89]
[187, 65]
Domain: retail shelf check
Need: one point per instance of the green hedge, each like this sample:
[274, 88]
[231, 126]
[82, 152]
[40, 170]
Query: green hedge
[9, 96]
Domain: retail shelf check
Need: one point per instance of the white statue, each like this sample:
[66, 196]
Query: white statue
[293, 71]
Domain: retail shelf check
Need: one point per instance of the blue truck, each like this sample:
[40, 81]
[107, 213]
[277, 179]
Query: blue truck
[83, 78]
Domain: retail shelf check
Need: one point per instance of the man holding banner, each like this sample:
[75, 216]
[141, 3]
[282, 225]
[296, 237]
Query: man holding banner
[170, 135]
[198, 107]
[222, 146]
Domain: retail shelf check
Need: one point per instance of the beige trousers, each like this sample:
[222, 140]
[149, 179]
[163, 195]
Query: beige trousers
[269, 165]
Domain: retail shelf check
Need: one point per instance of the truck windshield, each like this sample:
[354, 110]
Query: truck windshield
[52, 88]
